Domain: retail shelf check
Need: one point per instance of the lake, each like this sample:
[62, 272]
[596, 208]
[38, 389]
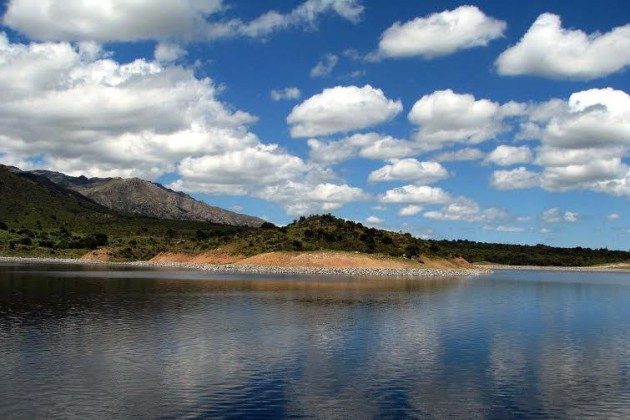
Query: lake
[98, 342]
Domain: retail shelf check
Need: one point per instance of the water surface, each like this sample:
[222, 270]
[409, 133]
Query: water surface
[94, 342]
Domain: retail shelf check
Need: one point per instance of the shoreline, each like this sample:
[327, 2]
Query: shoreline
[477, 269]
[592, 269]
[264, 269]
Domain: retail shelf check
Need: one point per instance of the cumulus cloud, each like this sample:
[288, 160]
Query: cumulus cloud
[518, 178]
[549, 50]
[555, 215]
[325, 66]
[584, 141]
[613, 216]
[166, 52]
[185, 20]
[409, 170]
[439, 34]
[464, 209]
[410, 210]
[240, 171]
[109, 112]
[90, 115]
[416, 194]
[467, 153]
[285, 94]
[446, 117]
[373, 220]
[342, 109]
[367, 145]
[307, 198]
[505, 229]
[505, 155]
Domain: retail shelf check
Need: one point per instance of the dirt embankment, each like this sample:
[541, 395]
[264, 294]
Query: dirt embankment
[323, 259]
[101, 255]
[210, 257]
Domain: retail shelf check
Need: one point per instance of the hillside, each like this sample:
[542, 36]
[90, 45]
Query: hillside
[137, 196]
[328, 233]
[41, 218]
[38, 217]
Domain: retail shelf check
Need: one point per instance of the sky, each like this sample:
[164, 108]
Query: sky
[490, 121]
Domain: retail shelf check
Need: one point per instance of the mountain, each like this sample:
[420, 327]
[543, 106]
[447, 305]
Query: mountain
[137, 196]
[41, 218]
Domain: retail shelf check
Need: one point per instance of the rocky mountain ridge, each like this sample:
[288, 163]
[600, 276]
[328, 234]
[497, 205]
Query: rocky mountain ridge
[138, 196]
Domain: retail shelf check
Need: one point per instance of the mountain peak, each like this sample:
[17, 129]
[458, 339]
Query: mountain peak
[146, 198]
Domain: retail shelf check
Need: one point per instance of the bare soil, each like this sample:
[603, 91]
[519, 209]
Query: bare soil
[324, 259]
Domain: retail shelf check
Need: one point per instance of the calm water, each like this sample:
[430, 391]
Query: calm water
[86, 342]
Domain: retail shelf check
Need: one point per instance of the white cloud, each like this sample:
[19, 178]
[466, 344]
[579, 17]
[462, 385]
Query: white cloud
[342, 109]
[570, 216]
[373, 220]
[505, 229]
[108, 112]
[584, 144]
[90, 115]
[410, 210]
[439, 34]
[505, 155]
[467, 153]
[307, 198]
[410, 169]
[446, 117]
[287, 93]
[454, 209]
[555, 215]
[464, 209]
[416, 194]
[239, 172]
[166, 52]
[186, 20]
[590, 118]
[613, 216]
[368, 146]
[549, 50]
[584, 141]
[325, 66]
[518, 178]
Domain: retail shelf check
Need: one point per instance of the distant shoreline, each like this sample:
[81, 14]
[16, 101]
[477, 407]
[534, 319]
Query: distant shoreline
[623, 268]
[477, 269]
[264, 269]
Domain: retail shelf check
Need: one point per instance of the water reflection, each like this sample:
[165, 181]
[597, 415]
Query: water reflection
[88, 342]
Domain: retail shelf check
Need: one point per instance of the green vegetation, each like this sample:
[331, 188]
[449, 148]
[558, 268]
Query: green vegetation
[544, 255]
[38, 218]
[328, 233]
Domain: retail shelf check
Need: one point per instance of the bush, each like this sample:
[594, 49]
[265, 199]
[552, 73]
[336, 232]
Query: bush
[3, 226]
[200, 235]
[94, 240]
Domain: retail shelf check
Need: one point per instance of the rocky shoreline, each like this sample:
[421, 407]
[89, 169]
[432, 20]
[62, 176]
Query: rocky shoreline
[259, 269]
[594, 269]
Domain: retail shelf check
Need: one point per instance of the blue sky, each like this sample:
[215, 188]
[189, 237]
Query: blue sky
[535, 93]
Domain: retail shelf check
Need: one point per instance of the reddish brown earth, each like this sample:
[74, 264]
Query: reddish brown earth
[327, 259]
